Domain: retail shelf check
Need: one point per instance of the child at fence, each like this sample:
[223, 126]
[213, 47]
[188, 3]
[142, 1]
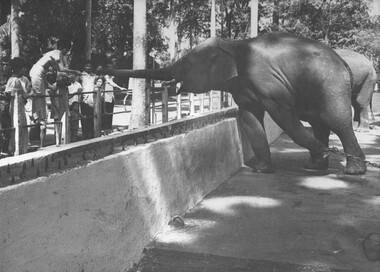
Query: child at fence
[17, 85]
[75, 116]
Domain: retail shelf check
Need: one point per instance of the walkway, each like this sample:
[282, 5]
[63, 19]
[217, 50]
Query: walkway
[291, 221]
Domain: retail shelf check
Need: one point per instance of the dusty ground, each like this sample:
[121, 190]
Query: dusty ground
[292, 220]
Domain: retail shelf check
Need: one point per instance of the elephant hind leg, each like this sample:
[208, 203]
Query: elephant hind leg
[356, 159]
[289, 121]
[340, 123]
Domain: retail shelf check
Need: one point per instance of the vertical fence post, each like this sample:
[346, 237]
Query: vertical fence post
[147, 104]
[65, 120]
[179, 102]
[233, 103]
[97, 112]
[218, 100]
[191, 104]
[20, 135]
[153, 118]
[215, 100]
[165, 110]
[226, 99]
[201, 103]
[211, 102]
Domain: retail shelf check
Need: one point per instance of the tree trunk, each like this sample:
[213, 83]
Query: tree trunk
[173, 39]
[88, 30]
[1, 12]
[138, 116]
[15, 40]
[275, 15]
[213, 25]
[254, 17]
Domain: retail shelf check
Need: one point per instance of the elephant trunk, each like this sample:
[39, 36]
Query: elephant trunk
[157, 74]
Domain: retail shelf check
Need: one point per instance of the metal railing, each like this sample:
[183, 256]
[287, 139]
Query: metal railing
[162, 108]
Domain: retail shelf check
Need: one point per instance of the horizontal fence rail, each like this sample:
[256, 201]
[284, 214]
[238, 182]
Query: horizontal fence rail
[160, 110]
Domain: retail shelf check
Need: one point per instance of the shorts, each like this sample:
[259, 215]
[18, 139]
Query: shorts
[39, 106]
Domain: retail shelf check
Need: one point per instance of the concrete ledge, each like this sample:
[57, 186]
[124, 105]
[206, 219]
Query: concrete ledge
[52, 159]
[100, 216]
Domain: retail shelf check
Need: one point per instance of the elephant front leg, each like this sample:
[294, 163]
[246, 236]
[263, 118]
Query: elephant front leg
[253, 126]
[251, 119]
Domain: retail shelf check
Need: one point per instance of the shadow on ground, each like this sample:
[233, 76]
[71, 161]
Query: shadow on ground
[292, 220]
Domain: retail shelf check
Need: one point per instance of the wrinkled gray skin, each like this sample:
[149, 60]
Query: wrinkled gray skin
[290, 77]
[364, 85]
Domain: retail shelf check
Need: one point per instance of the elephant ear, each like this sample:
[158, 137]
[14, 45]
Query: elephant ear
[222, 69]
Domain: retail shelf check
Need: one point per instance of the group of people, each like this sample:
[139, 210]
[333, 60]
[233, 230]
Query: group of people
[88, 82]
[13, 83]
[47, 79]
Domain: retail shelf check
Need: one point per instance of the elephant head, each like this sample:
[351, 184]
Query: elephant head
[208, 66]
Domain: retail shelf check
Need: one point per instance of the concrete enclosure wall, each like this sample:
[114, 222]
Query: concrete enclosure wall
[100, 216]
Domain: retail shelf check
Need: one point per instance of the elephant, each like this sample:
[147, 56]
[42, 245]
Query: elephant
[364, 85]
[292, 78]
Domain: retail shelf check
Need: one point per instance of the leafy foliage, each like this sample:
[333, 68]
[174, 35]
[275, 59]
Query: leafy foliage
[339, 23]
[234, 19]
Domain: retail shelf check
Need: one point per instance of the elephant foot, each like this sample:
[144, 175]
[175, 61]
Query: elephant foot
[260, 167]
[323, 165]
[263, 169]
[355, 167]
[318, 162]
[363, 129]
[371, 247]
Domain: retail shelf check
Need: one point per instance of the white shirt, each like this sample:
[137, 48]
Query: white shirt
[73, 88]
[39, 67]
[108, 96]
[88, 83]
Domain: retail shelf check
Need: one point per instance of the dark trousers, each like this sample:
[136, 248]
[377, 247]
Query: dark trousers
[107, 118]
[6, 122]
[88, 122]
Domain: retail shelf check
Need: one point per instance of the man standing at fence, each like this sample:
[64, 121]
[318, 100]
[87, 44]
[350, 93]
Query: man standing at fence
[57, 60]
[109, 97]
[5, 116]
[87, 103]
